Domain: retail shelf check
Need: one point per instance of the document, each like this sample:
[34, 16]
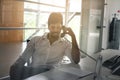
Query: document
[75, 71]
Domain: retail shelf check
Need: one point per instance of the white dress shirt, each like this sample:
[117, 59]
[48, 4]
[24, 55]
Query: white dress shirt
[43, 53]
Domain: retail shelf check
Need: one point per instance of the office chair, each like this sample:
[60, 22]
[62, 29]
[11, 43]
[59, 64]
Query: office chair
[16, 70]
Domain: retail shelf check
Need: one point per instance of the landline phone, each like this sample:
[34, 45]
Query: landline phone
[114, 64]
[63, 31]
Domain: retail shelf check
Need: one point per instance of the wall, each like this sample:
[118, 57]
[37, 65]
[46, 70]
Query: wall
[92, 12]
[84, 24]
[111, 7]
[11, 15]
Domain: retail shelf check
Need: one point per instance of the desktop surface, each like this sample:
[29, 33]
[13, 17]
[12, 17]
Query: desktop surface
[61, 73]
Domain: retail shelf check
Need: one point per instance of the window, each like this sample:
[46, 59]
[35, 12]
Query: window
[37, 11]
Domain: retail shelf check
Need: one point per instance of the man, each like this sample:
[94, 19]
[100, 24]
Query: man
[48, 50]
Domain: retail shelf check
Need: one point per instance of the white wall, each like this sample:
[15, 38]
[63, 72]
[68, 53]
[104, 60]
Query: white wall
[111, 7]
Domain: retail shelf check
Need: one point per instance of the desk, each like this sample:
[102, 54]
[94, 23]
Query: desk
[64, 72]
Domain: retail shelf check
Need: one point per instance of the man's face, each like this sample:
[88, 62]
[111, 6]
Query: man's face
[55, 29]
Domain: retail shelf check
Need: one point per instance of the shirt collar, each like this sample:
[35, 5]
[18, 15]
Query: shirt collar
[45, 37]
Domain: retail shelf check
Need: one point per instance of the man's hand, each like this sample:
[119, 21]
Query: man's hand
[69, 31]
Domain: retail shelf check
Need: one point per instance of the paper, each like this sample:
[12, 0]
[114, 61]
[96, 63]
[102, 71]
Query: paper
[75, 71]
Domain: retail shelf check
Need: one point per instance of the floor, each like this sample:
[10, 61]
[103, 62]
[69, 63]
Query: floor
[9, 52]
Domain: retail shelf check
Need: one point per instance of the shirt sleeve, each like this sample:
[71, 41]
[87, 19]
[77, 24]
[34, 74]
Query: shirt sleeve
[29, 50]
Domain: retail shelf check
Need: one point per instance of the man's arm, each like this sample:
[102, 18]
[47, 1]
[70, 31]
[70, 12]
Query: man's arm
[75, 53]
[75, 50]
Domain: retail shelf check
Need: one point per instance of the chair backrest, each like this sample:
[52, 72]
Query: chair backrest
[28, 63]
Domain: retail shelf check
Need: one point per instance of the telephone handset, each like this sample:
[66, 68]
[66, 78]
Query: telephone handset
[64, 31]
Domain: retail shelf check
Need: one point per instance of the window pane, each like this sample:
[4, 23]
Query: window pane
[54, 2]
[30, 6]
[75, 6]
[30, 22]
[75, 25]
[51, 9]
